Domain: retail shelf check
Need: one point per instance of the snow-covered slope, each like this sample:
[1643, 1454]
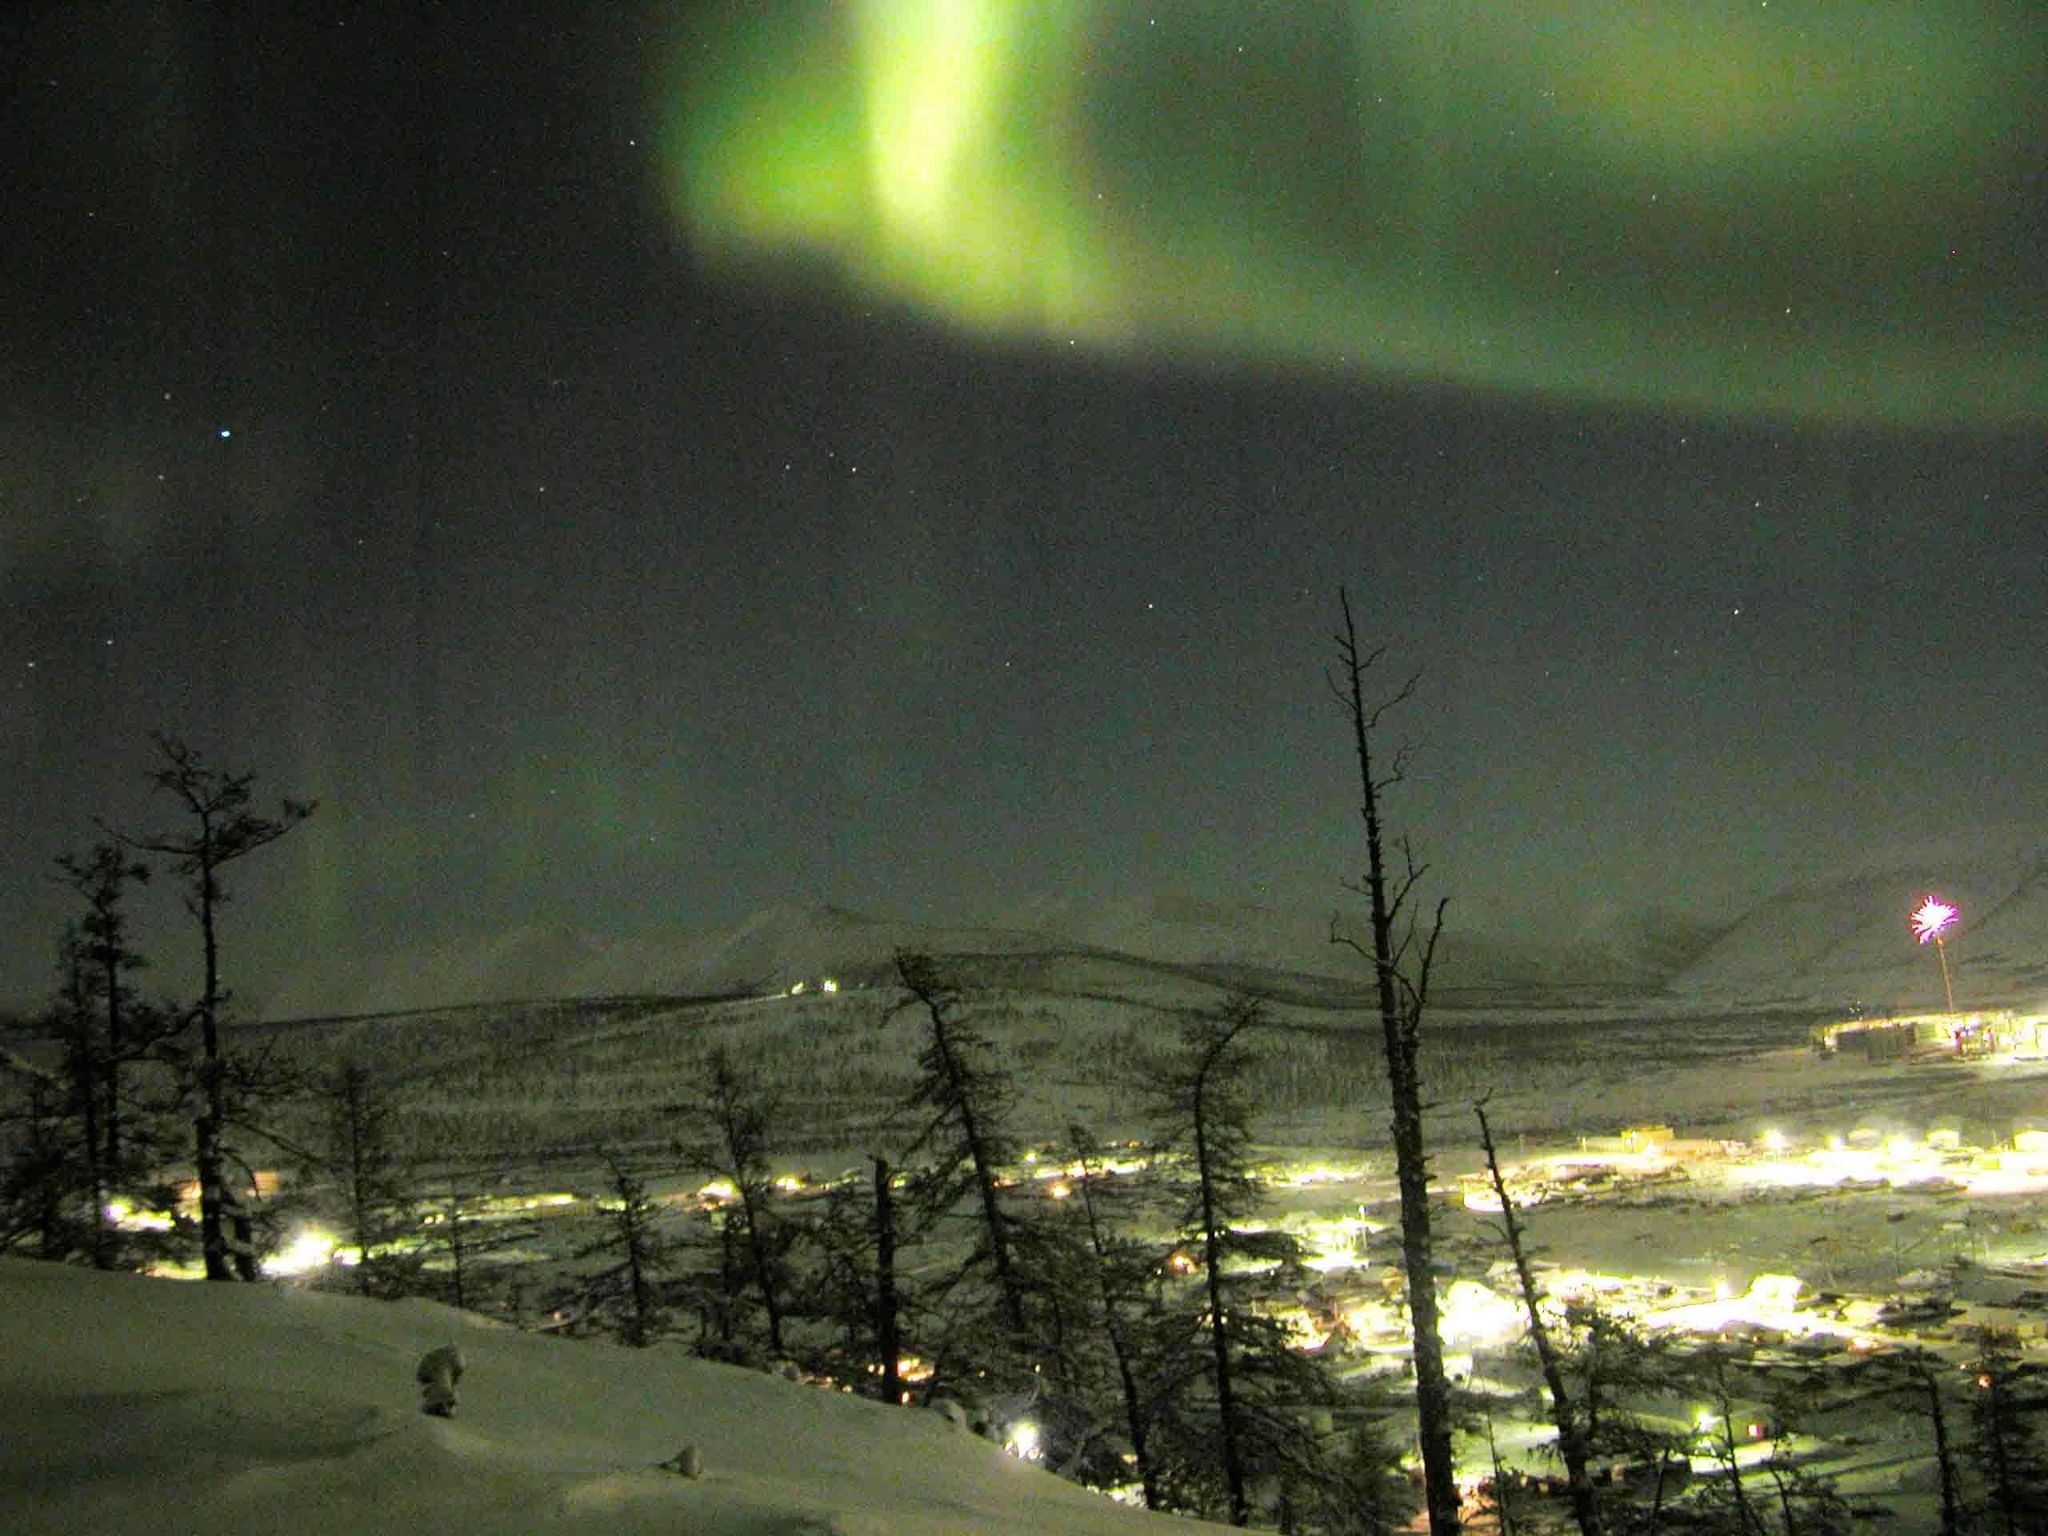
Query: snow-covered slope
[1847, 939]
[792, 941]
[162, 1407]
[769, 949]
[1826, 941]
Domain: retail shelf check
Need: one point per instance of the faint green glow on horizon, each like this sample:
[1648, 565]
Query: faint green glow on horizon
[1818, 210]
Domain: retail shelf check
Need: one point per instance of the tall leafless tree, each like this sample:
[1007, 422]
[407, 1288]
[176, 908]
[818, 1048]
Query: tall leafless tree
[1119, 1269]
[1203, 1096]
[128, 1032]
[887, 1303]
[637, 1253]
[1925, 1371]
[373, 1186]
[1564, 1412]
[219, 828]
[967, 1099]
[1401, 952]
[729, 1135]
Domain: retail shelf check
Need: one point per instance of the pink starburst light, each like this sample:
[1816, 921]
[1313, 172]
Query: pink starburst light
[1932, 919]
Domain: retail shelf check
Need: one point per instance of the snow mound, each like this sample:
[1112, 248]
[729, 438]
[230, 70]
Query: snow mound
[155, 1407]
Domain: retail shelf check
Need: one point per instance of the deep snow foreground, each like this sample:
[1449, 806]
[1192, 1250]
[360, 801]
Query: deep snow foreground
[152, 1406]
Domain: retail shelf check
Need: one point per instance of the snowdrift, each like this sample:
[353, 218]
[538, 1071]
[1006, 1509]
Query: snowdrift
[158, 1407]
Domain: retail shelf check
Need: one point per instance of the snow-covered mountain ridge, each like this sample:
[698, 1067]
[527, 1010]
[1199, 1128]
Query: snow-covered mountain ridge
[1838, 940]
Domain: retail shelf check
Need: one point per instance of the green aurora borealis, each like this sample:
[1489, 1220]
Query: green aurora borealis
[642, 464]
[1822, 211]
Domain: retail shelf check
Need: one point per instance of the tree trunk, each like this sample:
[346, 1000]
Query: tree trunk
[110, 1067]
[1747, 1521]
[213, 1240]
[1219, 1330]
[1944, 1457]
[759, 1261]
[458, 1250]
[225, 1258]
[887, 1343]
[1119, 1339]
[1571, 1438]
[82, 1072]
[986, 1188]
[1411, 1161]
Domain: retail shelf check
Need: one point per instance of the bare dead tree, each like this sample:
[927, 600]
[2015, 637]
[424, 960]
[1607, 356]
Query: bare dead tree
[1401, 953]
[2003, 1411]
[887, 1316]
[968, 1100]
[128, 1032]
[1503, 1502]
[1205, 1117]
[731, 1124]
[637, 1250]
[1723, 1446]
[1564, 1413]
[220, 828]
[74, 1022]
[1119, 1269]
[1923, 1371]
[373, 1185]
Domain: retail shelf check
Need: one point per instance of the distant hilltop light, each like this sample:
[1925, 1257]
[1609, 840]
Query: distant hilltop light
[1932, 919]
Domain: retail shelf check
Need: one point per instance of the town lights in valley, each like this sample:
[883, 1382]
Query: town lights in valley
[1023, 1441]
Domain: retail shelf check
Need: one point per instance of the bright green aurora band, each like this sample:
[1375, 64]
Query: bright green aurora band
[1825, 210]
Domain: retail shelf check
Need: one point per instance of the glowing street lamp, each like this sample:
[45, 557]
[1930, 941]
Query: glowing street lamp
[1931, 920]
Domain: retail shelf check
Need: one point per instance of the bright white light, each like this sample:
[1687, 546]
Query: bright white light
[1302, 1178]
[131, 1219]
[828, 985]
[1775, 1293]
[1932, 919]
[1474, 1315]
[1774, 1141]
[1022, 1441]
[311, 1249]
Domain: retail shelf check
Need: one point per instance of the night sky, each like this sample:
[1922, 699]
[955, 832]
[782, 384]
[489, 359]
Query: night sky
[636, 463]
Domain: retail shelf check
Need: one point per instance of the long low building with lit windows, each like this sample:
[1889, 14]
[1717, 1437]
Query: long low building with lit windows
[1934, 1036]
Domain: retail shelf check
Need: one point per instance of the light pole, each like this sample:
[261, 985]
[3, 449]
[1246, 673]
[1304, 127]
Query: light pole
[1930, 921]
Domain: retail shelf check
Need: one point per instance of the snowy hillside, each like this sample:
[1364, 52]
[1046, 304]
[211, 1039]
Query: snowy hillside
[159, 1407]
[1846, 940]
[1260, 945]
[1827, 942]
[766, 951]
